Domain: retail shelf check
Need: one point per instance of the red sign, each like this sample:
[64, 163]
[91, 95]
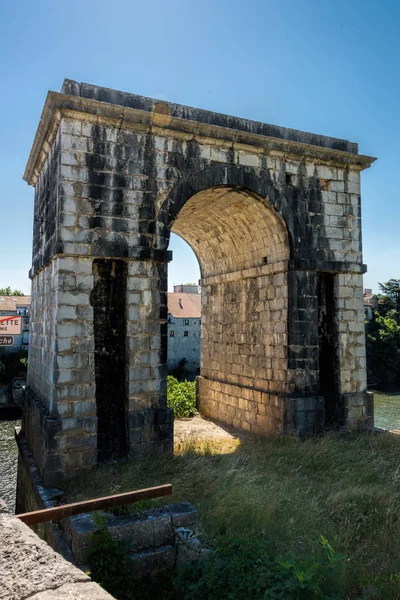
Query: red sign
[6, 340]
[11, 325]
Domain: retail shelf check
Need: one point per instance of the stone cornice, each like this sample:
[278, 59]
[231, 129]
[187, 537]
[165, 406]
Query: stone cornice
[158, 117]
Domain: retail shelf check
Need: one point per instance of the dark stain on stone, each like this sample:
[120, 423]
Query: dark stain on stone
[147, 209]
[106, 189]
[109, 325]
[328, 352]
[46, 219]
[96, 178]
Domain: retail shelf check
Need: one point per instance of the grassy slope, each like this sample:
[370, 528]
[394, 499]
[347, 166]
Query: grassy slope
[291, 491]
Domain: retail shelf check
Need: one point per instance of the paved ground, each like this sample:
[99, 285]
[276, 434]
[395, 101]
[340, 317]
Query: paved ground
[200, 428]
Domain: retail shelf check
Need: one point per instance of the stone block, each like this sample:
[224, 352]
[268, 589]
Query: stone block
[74, 591]
[149, 563]
[183, 514]
[189, 548]
[30, 566]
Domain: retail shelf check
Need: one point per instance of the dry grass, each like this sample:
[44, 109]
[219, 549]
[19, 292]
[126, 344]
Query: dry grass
[346, 488]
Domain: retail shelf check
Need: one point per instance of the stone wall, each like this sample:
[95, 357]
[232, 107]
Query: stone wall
[29, 568]
[245, 339]
[267, 210]
[146, 536]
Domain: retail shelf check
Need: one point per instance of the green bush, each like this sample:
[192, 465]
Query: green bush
[3, 372]
[241, 569]
[111, 567]
[238, 569]
[13, 364]
[109, 563]
[181, 396]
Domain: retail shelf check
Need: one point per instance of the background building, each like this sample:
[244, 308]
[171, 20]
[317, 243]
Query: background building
[187, 288]
[184, 323]
[370, 304]
[17, 305]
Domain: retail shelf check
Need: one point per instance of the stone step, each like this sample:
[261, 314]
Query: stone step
[152, 529]
[152, 561]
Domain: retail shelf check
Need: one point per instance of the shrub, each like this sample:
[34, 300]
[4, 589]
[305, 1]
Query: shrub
[111, 567]
[109, 563]
[247, 569]
[13, 364]
[181, 396]
[2, 372]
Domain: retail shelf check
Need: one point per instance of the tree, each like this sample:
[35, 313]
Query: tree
[389, 299]
[383, 335]
[383, 348]
[8, 292]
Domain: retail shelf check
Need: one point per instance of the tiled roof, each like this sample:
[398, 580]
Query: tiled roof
[185, 306]
[23, 300]
[371, 300]
[12, 302]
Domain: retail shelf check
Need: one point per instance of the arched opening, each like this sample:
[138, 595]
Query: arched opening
[242, 246]
[184, 311]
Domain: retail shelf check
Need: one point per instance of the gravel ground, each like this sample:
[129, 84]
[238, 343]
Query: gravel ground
[199, 428]
[8, 463]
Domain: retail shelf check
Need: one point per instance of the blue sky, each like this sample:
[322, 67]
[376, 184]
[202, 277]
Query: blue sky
[330, 67]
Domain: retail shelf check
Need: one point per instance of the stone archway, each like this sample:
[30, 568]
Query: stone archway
[273, 215]
[242, 246]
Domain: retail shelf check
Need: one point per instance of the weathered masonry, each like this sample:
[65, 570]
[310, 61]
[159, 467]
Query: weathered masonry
[274, 218]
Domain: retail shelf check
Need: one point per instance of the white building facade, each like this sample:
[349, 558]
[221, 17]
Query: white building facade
[184, 330]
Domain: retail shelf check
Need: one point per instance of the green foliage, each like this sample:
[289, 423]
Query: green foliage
[247, 569]
[8, 292]
[389, 299]
[109, 563]
[2, 371]
[383, 348]
[381, 587]
[12, 364]
[383, 336]
[181, 396]
[111, 567]
[237, 569]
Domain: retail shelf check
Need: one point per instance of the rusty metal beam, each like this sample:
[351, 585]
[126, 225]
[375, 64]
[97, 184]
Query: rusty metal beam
[77, 508]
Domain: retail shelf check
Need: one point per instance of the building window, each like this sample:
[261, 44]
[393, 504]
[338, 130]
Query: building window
[186, 321]
[185, 334]
[172, 333]
[199, 321]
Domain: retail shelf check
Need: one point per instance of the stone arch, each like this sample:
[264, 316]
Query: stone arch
[242, 244]
[258, 184]
[119, 171]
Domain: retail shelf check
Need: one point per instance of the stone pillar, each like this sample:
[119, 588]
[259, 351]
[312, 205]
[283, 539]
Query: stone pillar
[305, 407]
[59, 418]
[358, 403]
[150, 421]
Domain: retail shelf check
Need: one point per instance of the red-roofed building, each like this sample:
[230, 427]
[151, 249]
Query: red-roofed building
[17, 305]
[184, 323]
